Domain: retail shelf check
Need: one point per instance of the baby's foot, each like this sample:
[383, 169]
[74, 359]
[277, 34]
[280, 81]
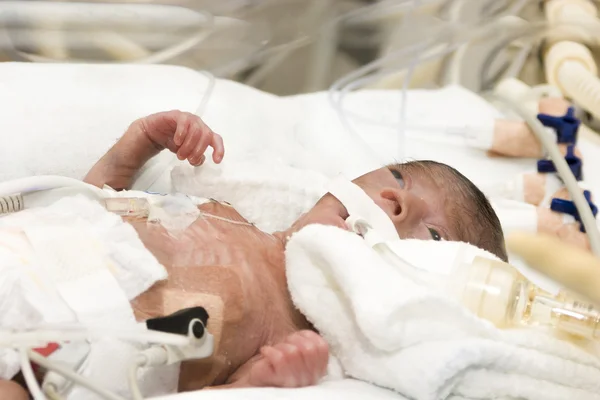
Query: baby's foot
[300, 360]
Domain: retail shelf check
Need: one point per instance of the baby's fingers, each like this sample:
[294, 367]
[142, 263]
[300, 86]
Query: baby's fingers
[218, 148]
[188, 146]
[183, 128]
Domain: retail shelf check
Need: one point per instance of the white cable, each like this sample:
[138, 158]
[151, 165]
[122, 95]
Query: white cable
[27, 371]
[76, 378]
[153, 356]
[565, 173]
[66, 334]
[37, 183]
[134, 388]
[50, 391]
[401, 150]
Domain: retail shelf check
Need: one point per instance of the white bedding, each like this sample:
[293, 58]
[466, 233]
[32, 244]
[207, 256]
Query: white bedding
[347, 389]
[46, 109]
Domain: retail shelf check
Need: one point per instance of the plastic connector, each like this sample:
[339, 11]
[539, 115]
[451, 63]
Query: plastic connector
[568, 207]
[566, 127]
[69, 355]
[190, 322]
[197, 349]
[179, 322]
[574, 162]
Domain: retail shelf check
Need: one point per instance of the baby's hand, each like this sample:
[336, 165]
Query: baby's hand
[184, 134]
[300, 360]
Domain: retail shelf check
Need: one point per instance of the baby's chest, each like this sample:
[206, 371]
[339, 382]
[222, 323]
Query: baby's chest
[221, 263]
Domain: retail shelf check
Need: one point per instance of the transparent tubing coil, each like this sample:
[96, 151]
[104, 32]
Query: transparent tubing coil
[338, 91]
[424, 51]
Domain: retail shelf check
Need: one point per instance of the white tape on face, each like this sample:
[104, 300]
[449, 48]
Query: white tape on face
[360, 206]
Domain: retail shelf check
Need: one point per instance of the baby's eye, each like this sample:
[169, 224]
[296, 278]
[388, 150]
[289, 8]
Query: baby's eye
[398, 177]
[435, 234]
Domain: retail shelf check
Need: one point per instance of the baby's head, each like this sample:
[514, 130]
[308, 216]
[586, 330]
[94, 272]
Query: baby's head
[425, 200]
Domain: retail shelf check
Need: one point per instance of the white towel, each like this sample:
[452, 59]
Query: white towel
[387, 330]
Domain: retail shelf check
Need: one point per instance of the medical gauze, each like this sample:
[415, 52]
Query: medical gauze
[73, 262]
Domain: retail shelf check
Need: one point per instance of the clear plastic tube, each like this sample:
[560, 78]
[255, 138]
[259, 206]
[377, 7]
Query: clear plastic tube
[128, 206]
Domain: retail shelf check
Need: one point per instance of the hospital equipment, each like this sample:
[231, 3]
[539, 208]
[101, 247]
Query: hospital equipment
[178, 337]
[576, 269]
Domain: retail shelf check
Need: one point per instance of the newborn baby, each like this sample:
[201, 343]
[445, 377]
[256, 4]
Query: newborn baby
[237, 272]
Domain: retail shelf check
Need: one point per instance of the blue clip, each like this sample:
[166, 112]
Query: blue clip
[566, 127]
[574, 162]
[568, 207]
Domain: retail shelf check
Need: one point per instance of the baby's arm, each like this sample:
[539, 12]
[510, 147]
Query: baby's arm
[299, 361]
[182, 133]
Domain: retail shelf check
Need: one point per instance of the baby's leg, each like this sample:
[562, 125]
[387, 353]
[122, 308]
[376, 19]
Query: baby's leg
[300, 360]
[10, 390]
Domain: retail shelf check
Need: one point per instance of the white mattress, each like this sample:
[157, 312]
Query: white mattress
[48, 108]
[344, 389]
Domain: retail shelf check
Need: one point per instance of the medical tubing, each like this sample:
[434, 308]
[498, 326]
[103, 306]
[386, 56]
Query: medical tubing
[158, 57]
[583, 208]
[132, 377]
[27, 371]
[36, 183]
[156, 355]
[76, 378]
[10, 204]
[45, 336]
[401, 150]
[208, 93]
[50, 391]
[338, 90]
[581, 85]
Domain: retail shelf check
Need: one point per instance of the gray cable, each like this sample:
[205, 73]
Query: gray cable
[587, 218]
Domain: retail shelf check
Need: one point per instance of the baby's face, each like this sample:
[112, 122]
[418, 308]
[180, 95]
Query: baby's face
[416, 205]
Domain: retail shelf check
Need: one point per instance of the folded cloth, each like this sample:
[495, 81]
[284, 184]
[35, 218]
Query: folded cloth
[73, 263]
[387, 330]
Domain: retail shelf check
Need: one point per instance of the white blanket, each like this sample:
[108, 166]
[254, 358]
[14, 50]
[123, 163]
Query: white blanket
[389, 331]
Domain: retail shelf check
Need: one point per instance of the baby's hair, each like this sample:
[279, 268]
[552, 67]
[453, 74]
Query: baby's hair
[475, 220]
